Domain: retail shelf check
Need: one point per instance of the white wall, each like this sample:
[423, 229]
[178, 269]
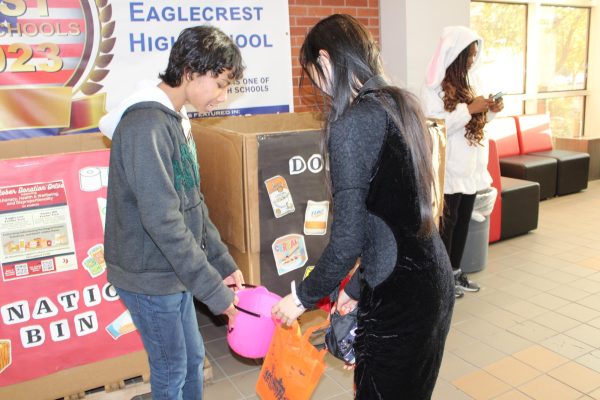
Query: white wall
[410, 30]
[392, 15]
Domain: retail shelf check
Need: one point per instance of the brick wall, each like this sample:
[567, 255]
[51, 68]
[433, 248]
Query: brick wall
[305, 13]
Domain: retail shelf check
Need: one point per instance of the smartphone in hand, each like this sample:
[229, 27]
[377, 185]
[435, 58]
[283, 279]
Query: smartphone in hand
[497, 96]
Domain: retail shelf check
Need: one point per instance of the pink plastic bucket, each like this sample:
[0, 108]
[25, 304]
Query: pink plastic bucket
[253, 330]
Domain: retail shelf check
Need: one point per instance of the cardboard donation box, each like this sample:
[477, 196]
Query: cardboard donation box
[437, 130]
[265, 185]
[62, 329]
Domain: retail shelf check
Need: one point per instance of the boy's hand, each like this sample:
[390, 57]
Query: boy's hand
[236, 278]
[231, 312]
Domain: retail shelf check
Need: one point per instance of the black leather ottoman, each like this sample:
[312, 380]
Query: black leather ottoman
[520, 206]
[572, 169]
[542, 170]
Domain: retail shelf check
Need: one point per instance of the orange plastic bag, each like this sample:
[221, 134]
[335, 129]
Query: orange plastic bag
[292, 368]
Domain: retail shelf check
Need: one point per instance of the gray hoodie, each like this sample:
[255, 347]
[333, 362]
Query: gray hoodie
[159, 238]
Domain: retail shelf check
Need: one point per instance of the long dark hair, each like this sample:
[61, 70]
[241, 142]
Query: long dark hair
[202, 49]
[355, 59]
[457, 89]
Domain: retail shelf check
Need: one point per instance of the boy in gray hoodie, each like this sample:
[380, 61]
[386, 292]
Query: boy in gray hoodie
[161, 247]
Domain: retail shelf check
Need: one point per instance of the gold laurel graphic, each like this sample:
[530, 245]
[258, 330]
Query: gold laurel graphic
[107, 44]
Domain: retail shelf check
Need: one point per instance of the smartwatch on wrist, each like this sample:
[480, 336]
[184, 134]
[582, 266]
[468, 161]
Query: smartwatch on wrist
[297, 301]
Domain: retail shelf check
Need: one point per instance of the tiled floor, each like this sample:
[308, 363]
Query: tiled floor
[533, 332]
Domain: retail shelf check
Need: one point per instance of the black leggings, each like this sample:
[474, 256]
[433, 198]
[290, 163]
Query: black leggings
[454, 226]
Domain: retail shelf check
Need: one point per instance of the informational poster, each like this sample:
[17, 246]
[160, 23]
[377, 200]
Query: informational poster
[293, 205]
[57, 311]
[64, 63]
[36, 231]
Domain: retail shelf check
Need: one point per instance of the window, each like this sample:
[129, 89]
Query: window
[562, 48]
[504, 31]
[566, 114]
[537, 54]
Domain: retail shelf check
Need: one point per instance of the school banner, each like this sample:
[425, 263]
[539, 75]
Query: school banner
[57, 311]
[63, 63]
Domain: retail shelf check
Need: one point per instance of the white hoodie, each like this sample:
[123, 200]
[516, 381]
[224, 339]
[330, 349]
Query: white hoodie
[466, 165]
[146, 90]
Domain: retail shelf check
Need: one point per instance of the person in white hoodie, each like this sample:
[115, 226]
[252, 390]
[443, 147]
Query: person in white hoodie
[161, 248]
[451, 93]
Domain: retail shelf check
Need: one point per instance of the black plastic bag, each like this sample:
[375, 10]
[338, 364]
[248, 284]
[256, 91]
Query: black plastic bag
[340, 335]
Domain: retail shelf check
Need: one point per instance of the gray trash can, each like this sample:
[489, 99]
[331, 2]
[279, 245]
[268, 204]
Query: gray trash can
[475, 256]
[476, 249]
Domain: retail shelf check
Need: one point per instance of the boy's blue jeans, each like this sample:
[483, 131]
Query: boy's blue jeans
[169, 330]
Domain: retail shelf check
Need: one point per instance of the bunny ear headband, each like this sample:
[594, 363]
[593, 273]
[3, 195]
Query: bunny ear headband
[454, 40]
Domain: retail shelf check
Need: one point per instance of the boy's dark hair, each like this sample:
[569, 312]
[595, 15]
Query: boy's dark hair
[202, 49]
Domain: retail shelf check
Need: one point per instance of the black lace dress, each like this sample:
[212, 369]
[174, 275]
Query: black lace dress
[403, 321]
[406, 283]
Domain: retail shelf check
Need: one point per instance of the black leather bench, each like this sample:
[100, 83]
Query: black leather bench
[520, 206]
[535, 139]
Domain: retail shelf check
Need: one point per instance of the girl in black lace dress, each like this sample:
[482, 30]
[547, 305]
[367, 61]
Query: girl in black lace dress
[381, 178]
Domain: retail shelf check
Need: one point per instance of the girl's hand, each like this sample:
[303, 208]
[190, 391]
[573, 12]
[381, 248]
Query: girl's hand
[479, 105]
[286, 310]
[349, 367]
[345, 303]
[497, 106]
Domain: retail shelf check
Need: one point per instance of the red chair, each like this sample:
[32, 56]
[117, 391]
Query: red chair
[496, 215]
[513, 164]
[533, 133]
[535, 139]
[516, 208]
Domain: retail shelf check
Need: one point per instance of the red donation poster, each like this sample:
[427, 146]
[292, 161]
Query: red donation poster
[57, 310]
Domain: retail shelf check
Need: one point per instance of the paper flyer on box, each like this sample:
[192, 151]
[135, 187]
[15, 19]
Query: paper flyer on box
[35, 230]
